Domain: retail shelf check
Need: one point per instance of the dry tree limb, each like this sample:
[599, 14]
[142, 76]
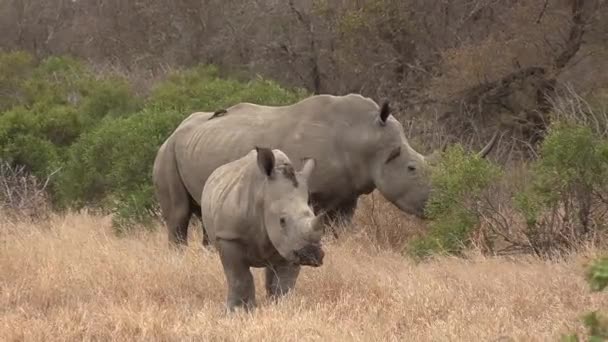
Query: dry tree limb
[22, 196]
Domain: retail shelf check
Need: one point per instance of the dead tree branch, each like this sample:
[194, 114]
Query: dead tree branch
[313, 56]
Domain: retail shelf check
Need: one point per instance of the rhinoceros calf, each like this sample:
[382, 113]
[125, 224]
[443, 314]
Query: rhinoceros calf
[256, 214]
[358, 145]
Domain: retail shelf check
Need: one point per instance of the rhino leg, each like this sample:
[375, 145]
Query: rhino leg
[241, 288]
[176, 213]
[281, 279]
[173, 198]
[196, 210]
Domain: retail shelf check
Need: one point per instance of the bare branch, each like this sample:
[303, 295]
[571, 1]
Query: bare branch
[575, 38]
[542, 11]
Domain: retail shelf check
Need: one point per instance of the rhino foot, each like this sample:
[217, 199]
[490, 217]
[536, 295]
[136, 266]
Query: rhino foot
[241, 288]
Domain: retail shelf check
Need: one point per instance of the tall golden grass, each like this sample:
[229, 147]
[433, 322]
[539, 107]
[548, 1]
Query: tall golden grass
[71, 279]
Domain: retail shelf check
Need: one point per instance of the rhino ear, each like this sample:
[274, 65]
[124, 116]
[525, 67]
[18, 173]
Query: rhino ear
[308, 167]
[265, 160]
[385, 111]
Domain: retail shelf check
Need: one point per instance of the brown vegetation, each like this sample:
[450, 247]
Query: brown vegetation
[456, 71]
[70, 278]
[471, 66]
[22, 196]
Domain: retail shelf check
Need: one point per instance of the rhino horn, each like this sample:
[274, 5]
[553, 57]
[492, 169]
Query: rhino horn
[317, 223]
[308, 166]
[484, 152]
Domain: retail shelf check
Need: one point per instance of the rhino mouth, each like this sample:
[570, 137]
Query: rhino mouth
[311, 255]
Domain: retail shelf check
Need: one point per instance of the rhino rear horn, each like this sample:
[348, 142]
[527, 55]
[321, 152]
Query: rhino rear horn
[265, 160]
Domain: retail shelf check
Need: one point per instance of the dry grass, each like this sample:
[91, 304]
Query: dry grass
[70, 279]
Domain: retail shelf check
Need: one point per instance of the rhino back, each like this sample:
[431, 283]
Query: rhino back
[229, 201]
[317, 127]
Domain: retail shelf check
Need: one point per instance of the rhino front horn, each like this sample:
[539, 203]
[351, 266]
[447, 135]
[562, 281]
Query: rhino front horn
[317, 223]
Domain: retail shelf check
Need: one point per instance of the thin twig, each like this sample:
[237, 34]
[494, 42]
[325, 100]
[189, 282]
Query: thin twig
[542, 11]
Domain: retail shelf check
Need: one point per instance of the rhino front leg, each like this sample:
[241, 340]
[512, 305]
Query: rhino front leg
[241, 288]
[281, 279]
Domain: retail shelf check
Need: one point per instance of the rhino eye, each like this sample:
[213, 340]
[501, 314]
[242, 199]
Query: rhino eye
[411, 168]
[282, 222]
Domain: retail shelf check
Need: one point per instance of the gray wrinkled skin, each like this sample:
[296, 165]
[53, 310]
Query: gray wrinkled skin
[256, 214]
[357, 144]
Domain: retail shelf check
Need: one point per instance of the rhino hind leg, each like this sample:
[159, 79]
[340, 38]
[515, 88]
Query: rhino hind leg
[281, 279]
[241, 287]
[177, 224]
[196, 210]
[172, 197]
[176, 212]
[177, 207]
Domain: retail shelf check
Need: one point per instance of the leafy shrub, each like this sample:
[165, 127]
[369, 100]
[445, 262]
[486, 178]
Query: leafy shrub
[14, 68]
[110, 167]
[458, 181]
[115, 158]
[59, 115]
[597, 324]
[201, 89]
[566, 199]
[51, 104]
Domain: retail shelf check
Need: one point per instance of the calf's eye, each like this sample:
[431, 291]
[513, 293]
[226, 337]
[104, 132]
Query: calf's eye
[283, 222]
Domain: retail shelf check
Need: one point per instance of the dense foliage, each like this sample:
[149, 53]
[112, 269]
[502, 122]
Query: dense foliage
[566, 199]
[596, 323]
[56, 114]
[459, 181]
[563, 203]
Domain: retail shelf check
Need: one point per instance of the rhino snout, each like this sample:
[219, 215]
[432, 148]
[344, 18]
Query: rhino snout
[310, 255]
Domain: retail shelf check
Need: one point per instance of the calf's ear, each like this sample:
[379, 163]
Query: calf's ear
[265, 160]
[385, 111]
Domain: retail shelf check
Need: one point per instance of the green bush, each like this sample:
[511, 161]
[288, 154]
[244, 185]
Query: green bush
[110, 166]
[14, 69]
[133, 209]
[201, 89]
[51, 103]
[565, 193]
[458, 181]
[55, 113]
[598, 274]
[115, 158]
[597, 324]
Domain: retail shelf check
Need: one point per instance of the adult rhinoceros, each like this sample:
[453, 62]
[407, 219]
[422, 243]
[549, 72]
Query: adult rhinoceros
[357, 144]
[257, 214]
